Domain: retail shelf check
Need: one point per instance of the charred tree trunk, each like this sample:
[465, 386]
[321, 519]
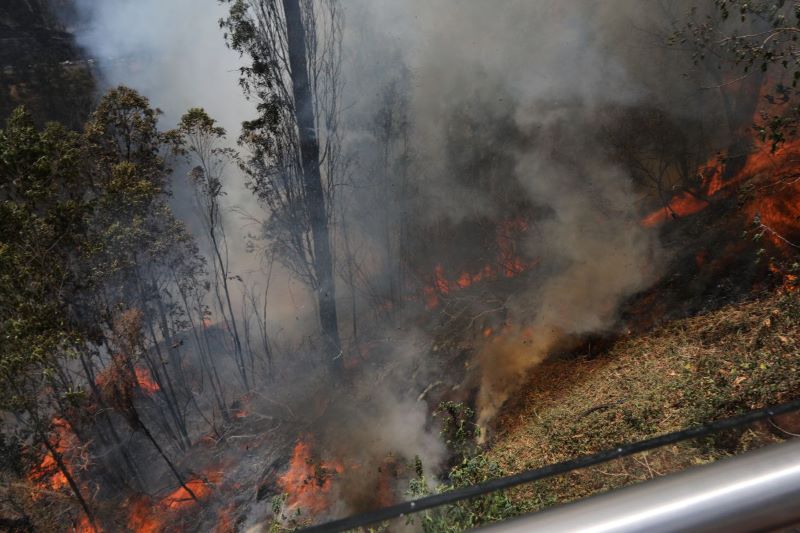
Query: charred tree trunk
[62, 467]
[230, 317]
[312, 182]
[103, 416]
[167, 460]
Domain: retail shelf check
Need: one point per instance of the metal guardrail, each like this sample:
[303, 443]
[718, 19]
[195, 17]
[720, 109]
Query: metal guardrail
[755, 491]
[465, 493]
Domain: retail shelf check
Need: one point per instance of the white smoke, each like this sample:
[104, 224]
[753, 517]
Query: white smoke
[547, 66]
[174, 53]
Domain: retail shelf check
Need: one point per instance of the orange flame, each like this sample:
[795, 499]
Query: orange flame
[143, 377]
[771, 200]
[84, 526]
[145, 516]
[47, 475]
[508, 264]
[779, 207]
[180, 497]
[145, 380]
[789, 280]
[307, 483]
[682, 205]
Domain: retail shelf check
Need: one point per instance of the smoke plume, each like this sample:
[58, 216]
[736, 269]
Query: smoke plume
[514, 92]
[547, 70]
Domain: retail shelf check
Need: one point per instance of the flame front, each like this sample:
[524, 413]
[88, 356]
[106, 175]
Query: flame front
[308, 483]
[47, 475]
[145, 380]
[148, 516]
[508, 264]
[774, 200]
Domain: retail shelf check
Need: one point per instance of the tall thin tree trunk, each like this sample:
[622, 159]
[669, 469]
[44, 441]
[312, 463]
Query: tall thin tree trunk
[163, 454]
[312, 182]
[231, 318]
[118, 443]
[62, 467]
[204, 355]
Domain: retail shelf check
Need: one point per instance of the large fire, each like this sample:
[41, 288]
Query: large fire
[770, 192]
[307, 483]
[767, 187]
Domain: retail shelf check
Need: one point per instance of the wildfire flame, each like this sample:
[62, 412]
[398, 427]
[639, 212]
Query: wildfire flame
[790, 281]
[777, 203]
[145, 380]
[180, 497]
[143, 377]
[308, 483]
[47, 475]
[142, 517]
[146, 516]
[770, 199]
[509, 264]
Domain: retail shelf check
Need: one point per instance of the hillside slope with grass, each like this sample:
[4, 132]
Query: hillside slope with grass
[691, 371]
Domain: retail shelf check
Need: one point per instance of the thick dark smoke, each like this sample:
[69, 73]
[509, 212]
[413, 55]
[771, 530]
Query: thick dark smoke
[531, 81]
[547, 70]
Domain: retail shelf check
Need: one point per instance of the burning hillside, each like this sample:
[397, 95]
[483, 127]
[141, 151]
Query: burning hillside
[339, 293]
[308, 484]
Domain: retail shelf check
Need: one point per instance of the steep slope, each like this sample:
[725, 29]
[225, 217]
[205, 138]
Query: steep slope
[690, 371]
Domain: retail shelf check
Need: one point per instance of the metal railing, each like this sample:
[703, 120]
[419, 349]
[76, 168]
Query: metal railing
[755, 491]
[464, 493]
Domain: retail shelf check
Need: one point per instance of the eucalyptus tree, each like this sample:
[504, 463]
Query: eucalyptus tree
[202, 143]
[87, 237]
[756, 40]
[293, 75]
[43, 214]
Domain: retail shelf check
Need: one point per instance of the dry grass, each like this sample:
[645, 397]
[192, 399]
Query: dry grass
[691, 371]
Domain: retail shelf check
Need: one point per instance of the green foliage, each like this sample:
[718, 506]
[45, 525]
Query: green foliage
[85, 233]
[42, 216]
[753, 37]
[200, 138]
[472, 467]
[466, 514]
[457, 428]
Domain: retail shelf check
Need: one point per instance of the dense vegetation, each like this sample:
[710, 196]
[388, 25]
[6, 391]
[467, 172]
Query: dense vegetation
[132, 351]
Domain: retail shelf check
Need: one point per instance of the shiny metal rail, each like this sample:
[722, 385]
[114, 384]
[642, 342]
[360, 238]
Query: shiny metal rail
[755, 491]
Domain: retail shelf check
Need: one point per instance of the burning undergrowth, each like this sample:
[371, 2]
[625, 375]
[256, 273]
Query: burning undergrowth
[604, 269]
[728, 238]
[577, 263]
[480, 232]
